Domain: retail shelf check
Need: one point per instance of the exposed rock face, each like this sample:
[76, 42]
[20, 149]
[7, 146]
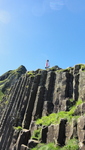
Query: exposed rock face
[10, 77]
[6, 80]
[38, 94]
[23, 138]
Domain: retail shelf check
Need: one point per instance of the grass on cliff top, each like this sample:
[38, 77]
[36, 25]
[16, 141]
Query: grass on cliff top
[82, 66]
[72, 144]
[65, 70]
[55, 118]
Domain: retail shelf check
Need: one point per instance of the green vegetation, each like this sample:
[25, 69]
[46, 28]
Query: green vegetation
[10, 77]
[47, 120]
[53, 69]
[49, 146]
[6, 80]
[71, 100]
[61, 70]
[71, 145]
[36, 134]
[19, 128]
[27, 86]
[56, 117]
[82, 66]
[3, 81]
[31, 73]
[73, 108]
[39, 70]
[1, 95]
[6, 102]
[65, 70]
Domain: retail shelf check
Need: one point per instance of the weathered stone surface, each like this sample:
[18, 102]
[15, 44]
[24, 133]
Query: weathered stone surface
[83, 108]
[71, 130]
[81, 129]
[62, 89]
[65, 104]
[48, 108]
[24, 147]
[53, 133]
[82, 86]
[31, 101]
[82, 147]
[14, 140]
[44, 134]
[39, 93]
[33, 127]
[48, 95]
[23, 138]
[32, 143]
[80, 110]
[56, 133]
[62, 129]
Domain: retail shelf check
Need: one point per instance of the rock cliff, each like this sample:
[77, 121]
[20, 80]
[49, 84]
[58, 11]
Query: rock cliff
[44, 106]
[6, 81]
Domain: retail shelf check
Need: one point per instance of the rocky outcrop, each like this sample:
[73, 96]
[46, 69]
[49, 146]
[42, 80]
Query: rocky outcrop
[7, 80]
[10, 77]
[40, 93]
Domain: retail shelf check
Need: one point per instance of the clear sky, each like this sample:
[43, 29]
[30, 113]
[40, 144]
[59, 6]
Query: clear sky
[32, 31]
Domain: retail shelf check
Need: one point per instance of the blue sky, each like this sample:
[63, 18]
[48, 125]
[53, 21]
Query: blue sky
[32, 31]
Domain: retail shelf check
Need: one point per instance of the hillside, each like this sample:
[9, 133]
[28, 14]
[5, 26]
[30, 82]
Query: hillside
[43, 109]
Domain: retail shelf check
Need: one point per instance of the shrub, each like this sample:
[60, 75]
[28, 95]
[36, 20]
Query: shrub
[71, 100]
[36, 134]
[49, 146]
[72, 144]
[18, 128]
[47, 120]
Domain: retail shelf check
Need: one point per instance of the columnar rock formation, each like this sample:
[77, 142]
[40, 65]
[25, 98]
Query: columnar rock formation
[38, 94]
